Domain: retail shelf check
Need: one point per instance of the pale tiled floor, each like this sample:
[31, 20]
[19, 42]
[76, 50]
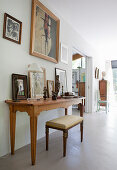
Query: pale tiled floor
[97, 152]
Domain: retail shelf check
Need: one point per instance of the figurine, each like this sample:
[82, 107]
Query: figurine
[57, 84]
[45, 93]
[54, 95]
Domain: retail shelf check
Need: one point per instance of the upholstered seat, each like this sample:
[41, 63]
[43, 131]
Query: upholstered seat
[65, 122]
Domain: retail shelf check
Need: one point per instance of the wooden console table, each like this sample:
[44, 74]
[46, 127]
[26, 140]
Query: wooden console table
[33, 108]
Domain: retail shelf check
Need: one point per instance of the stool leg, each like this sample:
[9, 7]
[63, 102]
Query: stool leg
[81, 125]
[47, 137]
[65, 135]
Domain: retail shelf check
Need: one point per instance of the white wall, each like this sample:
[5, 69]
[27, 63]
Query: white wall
[14, 58]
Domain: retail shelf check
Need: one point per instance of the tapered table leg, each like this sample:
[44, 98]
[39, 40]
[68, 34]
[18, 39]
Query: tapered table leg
[12, 128]
[33, 132]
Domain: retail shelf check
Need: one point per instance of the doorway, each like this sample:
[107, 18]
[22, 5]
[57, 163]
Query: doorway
[78, 75]
[82, 78]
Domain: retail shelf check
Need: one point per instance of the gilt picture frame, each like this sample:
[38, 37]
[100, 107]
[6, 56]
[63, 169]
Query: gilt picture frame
[37, 82]
[44, 38]
[12, 29]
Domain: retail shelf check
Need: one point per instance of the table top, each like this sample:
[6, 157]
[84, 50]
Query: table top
[42, 101]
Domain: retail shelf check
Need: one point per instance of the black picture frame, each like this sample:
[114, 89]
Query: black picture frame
[19, 87]
[63, 81]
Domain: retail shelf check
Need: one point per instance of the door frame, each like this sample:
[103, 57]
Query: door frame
[88, 81]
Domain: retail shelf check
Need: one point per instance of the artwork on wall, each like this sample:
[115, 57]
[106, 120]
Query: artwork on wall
[19, 87]
[62, 79]
[96, 73]
[64, 53]
[12, 29]
[37, 82]
[44, 40]
[50, 87]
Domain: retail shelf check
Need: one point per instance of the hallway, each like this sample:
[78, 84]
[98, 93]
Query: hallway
[97, 152]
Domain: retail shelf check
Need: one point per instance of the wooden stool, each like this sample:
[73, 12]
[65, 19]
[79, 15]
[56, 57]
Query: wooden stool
[64, 123]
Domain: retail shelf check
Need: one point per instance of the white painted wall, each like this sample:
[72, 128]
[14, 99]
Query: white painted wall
[15, 58]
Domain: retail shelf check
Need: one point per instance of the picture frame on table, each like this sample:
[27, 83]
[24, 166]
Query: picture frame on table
[19, 87]
[50, 87]
[62, 79]
[37, 82]
[12, 29]
[44, 38]
[64, 53]
[96, 73]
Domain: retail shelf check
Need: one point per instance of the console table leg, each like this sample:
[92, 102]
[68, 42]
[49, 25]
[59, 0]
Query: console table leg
[33, 132]
[12, 128]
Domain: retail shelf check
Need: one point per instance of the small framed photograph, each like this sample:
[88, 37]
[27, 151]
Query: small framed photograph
[19, 87]
[50, 87]
[64, 54]
[37, 82]
[96, 73]
[62, 79]
[12, 29]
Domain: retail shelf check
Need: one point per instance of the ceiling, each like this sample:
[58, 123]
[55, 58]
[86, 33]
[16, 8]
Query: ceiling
[94, 20]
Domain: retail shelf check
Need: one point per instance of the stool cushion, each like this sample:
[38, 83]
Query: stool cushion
[65, 122]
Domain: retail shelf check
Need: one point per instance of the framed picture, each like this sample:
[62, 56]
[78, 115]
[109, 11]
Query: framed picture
[96, 73]
[19, 87]
[44, 39]
[64, 53]
[12, 29]
[37, 82]
[62, 79]
[50, 87]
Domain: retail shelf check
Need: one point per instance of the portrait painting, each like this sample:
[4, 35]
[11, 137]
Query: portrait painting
[20, 87]
[12, 29]
[44, 33]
